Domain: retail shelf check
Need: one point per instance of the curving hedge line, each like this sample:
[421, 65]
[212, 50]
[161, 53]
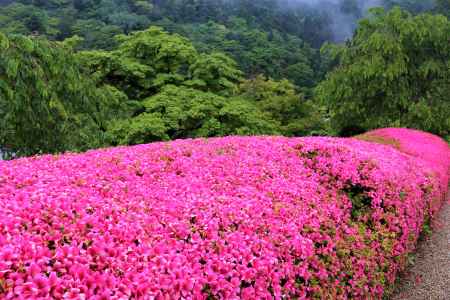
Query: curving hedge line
[223, 218]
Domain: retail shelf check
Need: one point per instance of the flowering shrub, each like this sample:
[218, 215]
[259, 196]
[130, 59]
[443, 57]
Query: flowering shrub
[223, 218]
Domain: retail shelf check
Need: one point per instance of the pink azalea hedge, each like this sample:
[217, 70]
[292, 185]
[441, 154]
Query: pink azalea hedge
[224, 218]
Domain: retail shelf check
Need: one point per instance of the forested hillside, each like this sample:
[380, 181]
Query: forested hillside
[83, 74]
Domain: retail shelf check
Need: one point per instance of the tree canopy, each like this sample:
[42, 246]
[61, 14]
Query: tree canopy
[183, 112]
[173, 91]
[83, 74]
[394, 72]
[46, 104]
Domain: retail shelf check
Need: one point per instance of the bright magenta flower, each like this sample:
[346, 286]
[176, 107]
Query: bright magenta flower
[223, 218]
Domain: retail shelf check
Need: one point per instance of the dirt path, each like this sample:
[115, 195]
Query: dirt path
[429, 277]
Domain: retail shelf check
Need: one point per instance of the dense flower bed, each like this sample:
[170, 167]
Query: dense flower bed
[224, 218]
[427, 148]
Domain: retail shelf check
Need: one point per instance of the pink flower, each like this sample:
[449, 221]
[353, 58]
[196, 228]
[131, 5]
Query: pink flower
[249, 218]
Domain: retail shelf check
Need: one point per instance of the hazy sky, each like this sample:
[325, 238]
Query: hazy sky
[343, 24]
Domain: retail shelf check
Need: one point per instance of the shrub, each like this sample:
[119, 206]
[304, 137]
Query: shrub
[221, 218]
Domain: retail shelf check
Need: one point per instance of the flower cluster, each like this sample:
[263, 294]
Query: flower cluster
[427, 148]
[223, 218]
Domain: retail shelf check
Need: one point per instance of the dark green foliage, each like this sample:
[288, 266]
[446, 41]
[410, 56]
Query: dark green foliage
[394, 72]
[279, 99]
[215, 73]
[272, 37]
[262, 36]
[215, 68]
[46, 105]
[443, 7]
[181, 112]
[171, 91]
[257, 52]
[152, 86]
[358, 195]
[142, 63]
[413, 6]
[27, 19]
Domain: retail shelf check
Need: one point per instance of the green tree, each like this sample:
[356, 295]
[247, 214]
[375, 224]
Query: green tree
[214, 72]
[182, 112]
[142, 63]
[96, 34]
[146, 61]
[171, 91]
[394, 72]
[256, 51]
[46, 104]
[413, 6]
[17, 18]
[281, 102]
[443, 7]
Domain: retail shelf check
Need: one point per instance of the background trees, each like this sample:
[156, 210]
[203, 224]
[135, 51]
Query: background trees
[394, 72]
[295, 115]
[173, 91]
[183, 112]
[46, 104]
[443, 7]
[108, 72]
[267, 36]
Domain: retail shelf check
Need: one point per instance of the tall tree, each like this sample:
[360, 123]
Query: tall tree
[182, 112]
[214, 72]
[143, 62]
[282, 103]
[394, 72]
[172, 90]
[46, 104]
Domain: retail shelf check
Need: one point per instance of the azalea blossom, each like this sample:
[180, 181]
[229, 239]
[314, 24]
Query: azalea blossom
[220, 218]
